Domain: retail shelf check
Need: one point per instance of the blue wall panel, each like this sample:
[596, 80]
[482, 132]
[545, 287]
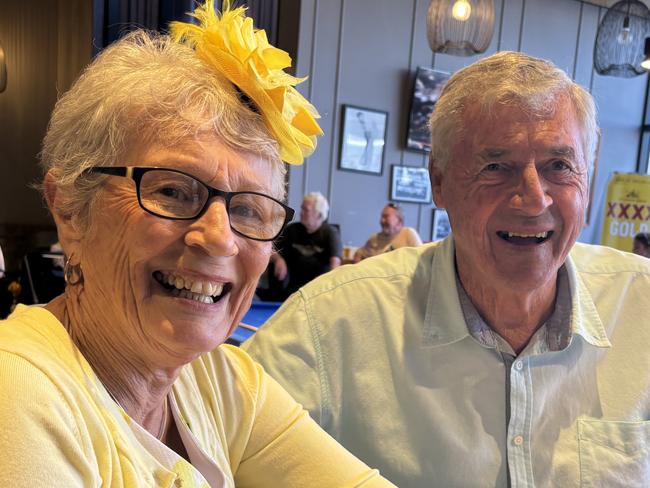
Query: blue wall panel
[365, 52]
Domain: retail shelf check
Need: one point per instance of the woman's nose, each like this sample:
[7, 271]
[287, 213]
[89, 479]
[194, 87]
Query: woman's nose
[211, 231]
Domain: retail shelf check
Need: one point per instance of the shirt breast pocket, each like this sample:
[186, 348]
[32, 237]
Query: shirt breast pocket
[614, 454]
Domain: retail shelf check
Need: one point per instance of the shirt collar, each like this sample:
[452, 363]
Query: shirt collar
[553, 335]
[444, 321]
[585, 320]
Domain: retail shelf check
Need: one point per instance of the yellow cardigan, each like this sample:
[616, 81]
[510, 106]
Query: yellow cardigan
[59, 427]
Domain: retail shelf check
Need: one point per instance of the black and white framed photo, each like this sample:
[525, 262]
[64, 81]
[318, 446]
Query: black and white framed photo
[440, 227]
[426, 91]
[409, 184]
[362, 140]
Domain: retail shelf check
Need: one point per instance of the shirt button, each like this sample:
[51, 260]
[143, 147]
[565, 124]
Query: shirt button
[519, 364]
[518, 440]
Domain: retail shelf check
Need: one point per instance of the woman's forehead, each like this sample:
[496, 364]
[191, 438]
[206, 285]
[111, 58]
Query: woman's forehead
[211, 161]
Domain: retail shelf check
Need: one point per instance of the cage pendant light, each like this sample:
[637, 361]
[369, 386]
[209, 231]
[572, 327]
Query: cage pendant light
[460, 27]
[620, 39]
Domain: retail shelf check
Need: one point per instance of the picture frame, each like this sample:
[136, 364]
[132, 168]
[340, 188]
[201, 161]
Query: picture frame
[427, 88]
[363, 137]
[592, 174]
[440, 226]
[410, 184]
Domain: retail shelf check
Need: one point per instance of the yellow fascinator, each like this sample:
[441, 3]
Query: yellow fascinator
[231, 44]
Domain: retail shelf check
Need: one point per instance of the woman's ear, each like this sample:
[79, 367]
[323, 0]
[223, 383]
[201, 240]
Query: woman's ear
[436, 176]
[69, 234]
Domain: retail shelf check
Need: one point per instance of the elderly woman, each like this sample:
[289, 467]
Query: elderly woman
[164, 177]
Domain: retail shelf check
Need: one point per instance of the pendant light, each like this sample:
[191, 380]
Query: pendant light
[620, 39]
[645, 64]
[460, 27]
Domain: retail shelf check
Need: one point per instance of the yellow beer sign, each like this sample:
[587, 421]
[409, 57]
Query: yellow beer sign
[627, 210]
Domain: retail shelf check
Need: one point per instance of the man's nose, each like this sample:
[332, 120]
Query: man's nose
[531, 197]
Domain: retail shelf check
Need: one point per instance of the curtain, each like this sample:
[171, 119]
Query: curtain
[113, 18]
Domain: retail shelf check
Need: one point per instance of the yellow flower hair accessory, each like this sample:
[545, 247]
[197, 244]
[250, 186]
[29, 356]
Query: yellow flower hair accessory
[231, 44]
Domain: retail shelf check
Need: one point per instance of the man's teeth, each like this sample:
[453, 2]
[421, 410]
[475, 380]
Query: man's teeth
[202, 291]
[540, 235]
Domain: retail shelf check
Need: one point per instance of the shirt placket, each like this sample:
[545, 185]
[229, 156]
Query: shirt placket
[518, 443]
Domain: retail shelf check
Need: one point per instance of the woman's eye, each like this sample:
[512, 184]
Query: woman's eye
[244, 211]
[172, 193]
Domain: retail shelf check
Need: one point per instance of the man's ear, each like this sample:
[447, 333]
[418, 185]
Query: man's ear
[436, 176]
[69, 234]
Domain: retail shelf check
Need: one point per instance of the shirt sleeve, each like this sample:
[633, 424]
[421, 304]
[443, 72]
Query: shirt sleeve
[413, 238]
[336, 248]
[294, 363]
[365, 250]
[287, 448]
[39, 438]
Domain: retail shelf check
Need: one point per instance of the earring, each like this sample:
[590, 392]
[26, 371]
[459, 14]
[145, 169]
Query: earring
[72, 273]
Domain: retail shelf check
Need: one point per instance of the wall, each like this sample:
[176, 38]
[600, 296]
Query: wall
[365, 52]
[46, 45]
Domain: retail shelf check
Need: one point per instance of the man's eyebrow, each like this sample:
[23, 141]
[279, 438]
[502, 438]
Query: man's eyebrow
[563, 151]
[493, 152]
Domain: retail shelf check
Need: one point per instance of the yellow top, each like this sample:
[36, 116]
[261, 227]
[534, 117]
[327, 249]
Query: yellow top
[59, 427]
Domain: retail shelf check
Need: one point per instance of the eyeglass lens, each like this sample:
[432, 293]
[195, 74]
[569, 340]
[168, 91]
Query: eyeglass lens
[175, 195]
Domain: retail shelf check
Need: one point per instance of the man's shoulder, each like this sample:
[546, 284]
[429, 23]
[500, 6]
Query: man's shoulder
[596, 259]
[400, 266]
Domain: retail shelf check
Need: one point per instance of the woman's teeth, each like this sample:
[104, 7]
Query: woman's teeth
[192, 296]
[200, 291]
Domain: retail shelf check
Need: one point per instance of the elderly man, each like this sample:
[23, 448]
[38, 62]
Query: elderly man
[506, 355]
[308, 248]
[393, 234]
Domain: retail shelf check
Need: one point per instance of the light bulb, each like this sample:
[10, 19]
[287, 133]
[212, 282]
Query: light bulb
[625, 36]
[461, 10]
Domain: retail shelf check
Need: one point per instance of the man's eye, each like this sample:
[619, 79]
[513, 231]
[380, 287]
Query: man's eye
[492, 167]
[559, 165]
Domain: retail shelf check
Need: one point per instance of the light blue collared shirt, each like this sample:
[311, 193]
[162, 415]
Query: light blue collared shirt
[381, 355]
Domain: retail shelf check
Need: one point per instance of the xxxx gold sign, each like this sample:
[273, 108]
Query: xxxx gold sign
[627, 211]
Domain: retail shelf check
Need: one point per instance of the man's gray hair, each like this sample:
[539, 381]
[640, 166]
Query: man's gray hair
[320, 203]
[142, 89]
[508, 78]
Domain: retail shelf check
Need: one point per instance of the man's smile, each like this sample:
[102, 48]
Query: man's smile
[521, 239]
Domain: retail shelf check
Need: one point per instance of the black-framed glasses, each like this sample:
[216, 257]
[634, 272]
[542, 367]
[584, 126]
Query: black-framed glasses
[172, 194]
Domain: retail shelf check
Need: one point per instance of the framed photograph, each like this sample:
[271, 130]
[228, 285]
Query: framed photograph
[593, 173]
[426, 91]
[440, 227]
[409, 184]
[362, 140]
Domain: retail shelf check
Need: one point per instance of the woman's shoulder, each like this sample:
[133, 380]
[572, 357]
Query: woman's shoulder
[33, 332]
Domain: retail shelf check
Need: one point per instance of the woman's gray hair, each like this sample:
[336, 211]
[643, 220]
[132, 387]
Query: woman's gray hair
[144, 88]
[508, 78]
[320, 203]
